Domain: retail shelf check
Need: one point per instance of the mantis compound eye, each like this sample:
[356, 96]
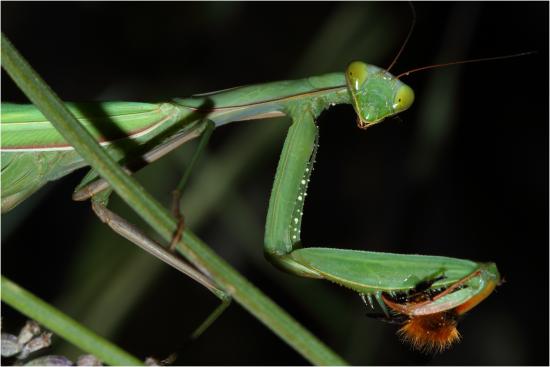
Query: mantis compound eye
[356, 77]
[404, 98]
[356, 74]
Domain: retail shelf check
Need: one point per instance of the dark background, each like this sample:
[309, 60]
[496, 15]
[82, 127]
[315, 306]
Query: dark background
[463, 173]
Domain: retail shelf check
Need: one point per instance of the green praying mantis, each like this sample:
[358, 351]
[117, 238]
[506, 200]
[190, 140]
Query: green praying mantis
[433, 290]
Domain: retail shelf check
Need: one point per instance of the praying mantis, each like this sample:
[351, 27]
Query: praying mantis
[418, 287]
[316, 181]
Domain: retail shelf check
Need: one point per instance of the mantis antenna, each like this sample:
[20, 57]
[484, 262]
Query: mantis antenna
[406, 39]
[407, 73]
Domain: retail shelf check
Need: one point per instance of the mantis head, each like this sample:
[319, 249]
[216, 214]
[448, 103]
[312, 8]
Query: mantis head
[375, 93]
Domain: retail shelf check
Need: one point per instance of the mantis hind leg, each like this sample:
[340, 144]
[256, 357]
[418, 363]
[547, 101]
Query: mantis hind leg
[138, 237]
[93, 184]
[98, 191]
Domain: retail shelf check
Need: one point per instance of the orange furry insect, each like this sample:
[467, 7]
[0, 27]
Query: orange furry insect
[431, 333]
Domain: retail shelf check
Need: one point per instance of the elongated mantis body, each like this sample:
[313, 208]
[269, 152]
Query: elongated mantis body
[33, 153]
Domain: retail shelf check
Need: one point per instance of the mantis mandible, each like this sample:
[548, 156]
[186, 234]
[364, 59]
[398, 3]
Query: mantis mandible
[414, 286]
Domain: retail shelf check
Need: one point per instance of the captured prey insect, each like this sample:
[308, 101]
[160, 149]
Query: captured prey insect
[34, 152]
[429, 315]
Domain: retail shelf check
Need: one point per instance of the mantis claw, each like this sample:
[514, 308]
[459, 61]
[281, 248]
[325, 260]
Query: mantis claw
[378, 296]
[367, 299]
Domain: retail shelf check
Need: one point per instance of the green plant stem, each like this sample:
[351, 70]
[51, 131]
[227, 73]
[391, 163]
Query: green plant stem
[158, 217]
[63, 326]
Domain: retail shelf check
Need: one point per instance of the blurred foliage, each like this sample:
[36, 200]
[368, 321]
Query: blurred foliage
[463, 173]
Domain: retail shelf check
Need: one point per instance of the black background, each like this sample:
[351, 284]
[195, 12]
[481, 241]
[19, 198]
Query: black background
[463, 173]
